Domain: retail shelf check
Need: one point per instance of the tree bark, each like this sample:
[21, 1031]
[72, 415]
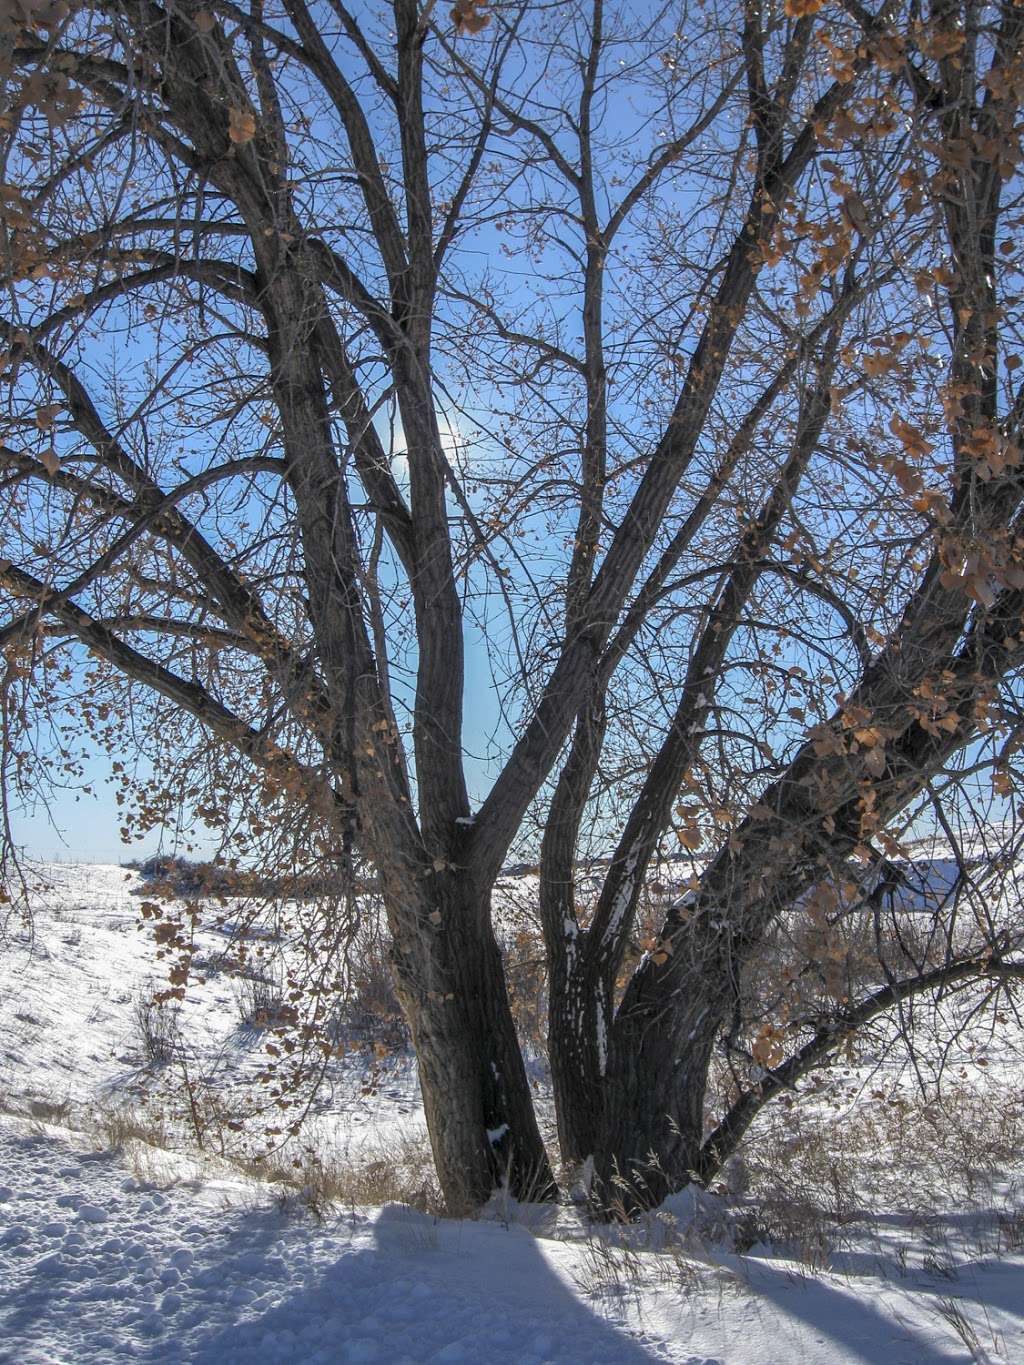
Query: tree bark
[476, 1094]
[578, 1021]
[657, 1080]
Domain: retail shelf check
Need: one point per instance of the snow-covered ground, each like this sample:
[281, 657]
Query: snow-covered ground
[97, 1265]
[175, 1257]
[75, 990]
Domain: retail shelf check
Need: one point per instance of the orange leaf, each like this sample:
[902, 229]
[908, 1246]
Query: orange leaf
[241, 126]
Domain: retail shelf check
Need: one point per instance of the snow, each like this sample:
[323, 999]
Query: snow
[210, 1271]
[148, 1254]
[624, 895]
[69, 1026]
[602, 1034]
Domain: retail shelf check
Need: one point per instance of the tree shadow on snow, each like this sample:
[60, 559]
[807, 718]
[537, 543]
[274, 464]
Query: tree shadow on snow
[878, 1333]
[405, 1290]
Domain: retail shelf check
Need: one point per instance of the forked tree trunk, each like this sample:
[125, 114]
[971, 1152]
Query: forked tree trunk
[476, 1094]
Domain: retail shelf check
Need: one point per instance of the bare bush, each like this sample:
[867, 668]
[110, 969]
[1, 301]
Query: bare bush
[261, 997]
[526, 974]
[158, 1028]
[369, 1009]
[817, 1176]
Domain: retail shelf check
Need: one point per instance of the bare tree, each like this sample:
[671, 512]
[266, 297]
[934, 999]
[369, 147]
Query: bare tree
[669, 353]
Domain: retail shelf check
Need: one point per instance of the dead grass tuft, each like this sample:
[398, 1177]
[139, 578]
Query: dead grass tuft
[396, 1171]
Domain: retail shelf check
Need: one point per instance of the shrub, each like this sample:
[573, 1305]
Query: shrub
[159, 1029]
[260, 995]
[371, 1008]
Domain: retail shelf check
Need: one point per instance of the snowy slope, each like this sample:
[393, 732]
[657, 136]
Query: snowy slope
[70, 1001]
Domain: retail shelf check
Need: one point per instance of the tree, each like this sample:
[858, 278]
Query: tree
[667, 354]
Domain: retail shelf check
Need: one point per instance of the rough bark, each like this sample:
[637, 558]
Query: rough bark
[476, 1094]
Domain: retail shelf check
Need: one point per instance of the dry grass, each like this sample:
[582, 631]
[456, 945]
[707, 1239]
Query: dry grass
[819, 1181]
[313, 1178]
[952, 1313]
[119, 1126]
[55, 1111]
[398, 1170]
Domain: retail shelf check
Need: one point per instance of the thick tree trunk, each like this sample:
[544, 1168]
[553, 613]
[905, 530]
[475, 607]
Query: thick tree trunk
[578, 1025]
[657, 1080]
[480, 1115]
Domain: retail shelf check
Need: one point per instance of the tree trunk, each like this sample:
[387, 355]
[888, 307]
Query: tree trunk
[579, 1010]
[480, 1115]
[659, 1056]
[577, 1026]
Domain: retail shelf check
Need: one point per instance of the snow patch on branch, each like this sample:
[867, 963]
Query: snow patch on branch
[602, 1036]
[696, 1025]
[624, 895]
